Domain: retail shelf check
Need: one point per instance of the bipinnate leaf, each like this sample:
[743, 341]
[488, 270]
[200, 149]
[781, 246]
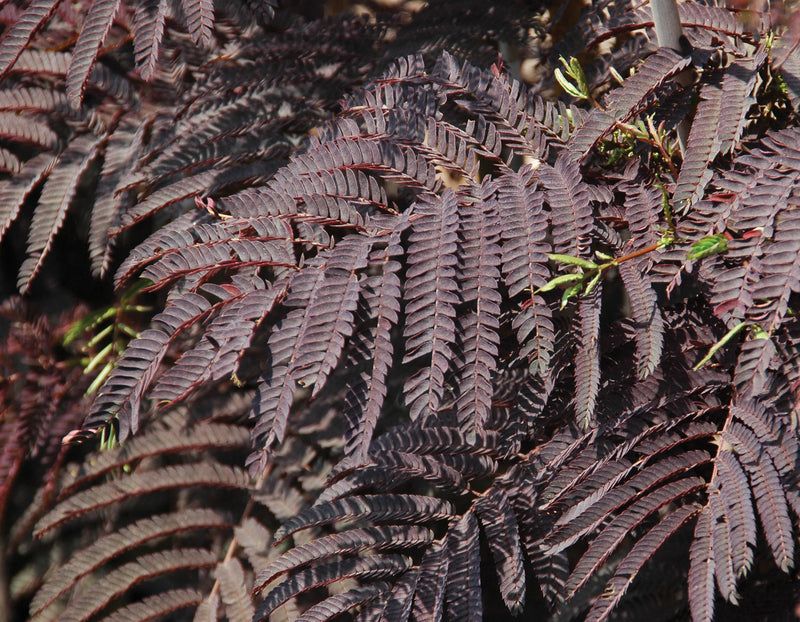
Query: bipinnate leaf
[369, 266]
[373, 346]
[570, 207]
[395, 467]
[56, 197]
[721, 546]
[14, 191]
[375, 508]
[701, 569]
[430, 294]
[95, 28]
[768, 492]
[9, 162]
[337, 604]
[122, 394]
[464, 594]
[717, 126]
[363, 568]
[648, 321]
[90, 602]
[787, 50]
[347, 542]
[160, 605]
[218, 353]
[738, 507]
[479, 274]
[200, 19]
[628, 568]
[780, 268]
[308, 343]
[587, 358]
[148, 32]
[524, 263]
[109, 547]
[147, 446]
[235, 591]
[612, 535]
[431, 587]
[636, 95]
[756, 357]
[28, 130]
[208, 610]
[447, 440]
[141, 483]
[608, 491]
[502, 534]
[523, 233]
[121, 152]
[17, 36]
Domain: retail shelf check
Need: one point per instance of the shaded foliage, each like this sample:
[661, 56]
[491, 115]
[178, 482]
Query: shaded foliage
[431, 343]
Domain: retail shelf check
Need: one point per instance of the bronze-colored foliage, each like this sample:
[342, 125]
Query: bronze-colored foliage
[430, 343]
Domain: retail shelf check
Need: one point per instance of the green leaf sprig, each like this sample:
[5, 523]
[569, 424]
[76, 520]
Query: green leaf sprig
[109, 332]
[590, 272]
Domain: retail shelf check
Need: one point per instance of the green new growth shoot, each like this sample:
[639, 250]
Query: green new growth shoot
[589, 272]
[720, 344]
[616, 75]
[562, 279]
[574, 83]
[709, 245]
[621, 144]
[107, 330]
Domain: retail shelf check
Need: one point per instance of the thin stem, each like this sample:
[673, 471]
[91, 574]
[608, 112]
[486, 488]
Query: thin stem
[639, 253]
[659, 143]
[668, 209]
[634, 133]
